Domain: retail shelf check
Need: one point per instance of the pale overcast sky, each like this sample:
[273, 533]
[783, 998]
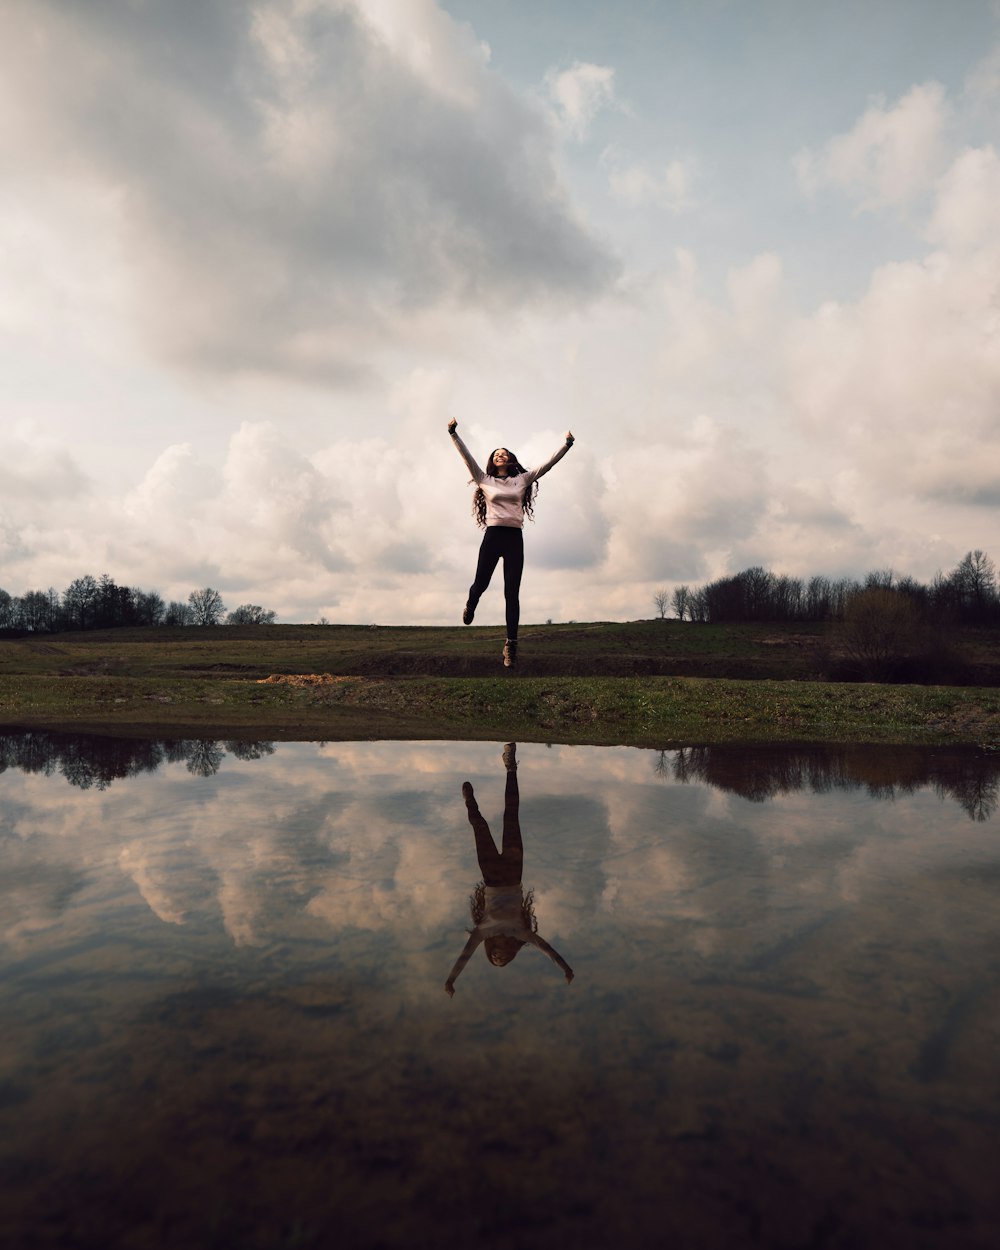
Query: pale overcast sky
[255, 256]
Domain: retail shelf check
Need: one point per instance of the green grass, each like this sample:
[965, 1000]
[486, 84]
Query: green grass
[214, 682]
[635, 710]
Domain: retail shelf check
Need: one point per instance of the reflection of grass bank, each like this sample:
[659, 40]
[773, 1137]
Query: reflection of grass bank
[641, 710]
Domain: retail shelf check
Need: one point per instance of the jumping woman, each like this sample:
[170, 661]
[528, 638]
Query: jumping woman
[504, 496]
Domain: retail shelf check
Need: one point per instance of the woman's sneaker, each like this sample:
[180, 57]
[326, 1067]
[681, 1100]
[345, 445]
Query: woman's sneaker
[468, 613]
[510, 653]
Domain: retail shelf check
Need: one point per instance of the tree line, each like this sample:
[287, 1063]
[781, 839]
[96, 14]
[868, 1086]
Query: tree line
[967, 595]
[100, 603]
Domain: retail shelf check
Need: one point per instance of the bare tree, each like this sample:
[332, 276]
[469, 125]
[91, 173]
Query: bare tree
[680, 601]
[818, 597]
[974, 582]
[879, 579]
[36, 612]
[149, 607]
[79, 602]
[698, 606]
[662, 599]
[757, 587]
[881, 628]
[206, 606]
[251, 614]
[177, 613]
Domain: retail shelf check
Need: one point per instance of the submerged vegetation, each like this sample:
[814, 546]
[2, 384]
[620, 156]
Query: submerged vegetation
[653, 683]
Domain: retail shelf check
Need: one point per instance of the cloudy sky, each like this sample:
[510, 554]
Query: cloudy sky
[253, 257]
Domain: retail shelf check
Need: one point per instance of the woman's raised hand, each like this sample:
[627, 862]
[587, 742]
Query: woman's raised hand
[452, 425]
[570, 440]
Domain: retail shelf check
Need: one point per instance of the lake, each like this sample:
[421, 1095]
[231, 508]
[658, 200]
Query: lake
[306, 994]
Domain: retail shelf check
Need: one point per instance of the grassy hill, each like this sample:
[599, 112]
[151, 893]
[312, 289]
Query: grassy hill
[599, 648]
[663, 648]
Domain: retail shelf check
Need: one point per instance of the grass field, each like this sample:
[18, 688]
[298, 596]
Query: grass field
[664, 648]
[649, 682]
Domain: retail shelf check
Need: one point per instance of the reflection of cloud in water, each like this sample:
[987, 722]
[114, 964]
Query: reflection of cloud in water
[34, 893]
[766, 991]
[321, 840]
[137, 862]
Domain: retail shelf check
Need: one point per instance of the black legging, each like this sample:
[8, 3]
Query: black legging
[504, 542]
[504, 867]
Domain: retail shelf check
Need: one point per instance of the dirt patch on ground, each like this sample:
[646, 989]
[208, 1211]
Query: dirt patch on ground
[304, 680]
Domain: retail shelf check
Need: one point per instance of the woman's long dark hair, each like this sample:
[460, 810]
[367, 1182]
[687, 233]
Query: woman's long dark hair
[501, 948]
[514, 466]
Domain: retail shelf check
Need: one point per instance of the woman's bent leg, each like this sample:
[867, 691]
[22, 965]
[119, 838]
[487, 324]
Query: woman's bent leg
[490, 860]
[490, 551]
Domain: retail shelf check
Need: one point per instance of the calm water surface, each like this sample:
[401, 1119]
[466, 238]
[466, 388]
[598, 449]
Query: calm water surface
[738, 997]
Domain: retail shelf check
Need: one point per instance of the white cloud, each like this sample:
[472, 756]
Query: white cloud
[637, 183]
[35, 469]
[296, 191]
[578, 94]
[889, 157]
[907, 381]
[266, 507]
[573, 527]
[443, 53]
[967, 212]
[680, 499]
[176, 486]
[754, 292]
[982, 84]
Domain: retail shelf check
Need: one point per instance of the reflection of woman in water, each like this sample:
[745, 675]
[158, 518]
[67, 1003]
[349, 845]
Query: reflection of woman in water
[502, 913]
[504, 496]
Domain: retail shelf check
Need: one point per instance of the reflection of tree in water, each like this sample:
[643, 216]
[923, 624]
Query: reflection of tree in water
[86, 764]
[93, 762]
[971, 778]
[205, 758]
[249, 750]
[976, 792]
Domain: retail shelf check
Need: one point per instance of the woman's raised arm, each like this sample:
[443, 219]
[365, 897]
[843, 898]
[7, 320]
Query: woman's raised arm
[463, 451]
[540, 472]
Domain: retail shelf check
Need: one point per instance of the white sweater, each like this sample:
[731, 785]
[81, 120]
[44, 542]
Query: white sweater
[505, 495]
